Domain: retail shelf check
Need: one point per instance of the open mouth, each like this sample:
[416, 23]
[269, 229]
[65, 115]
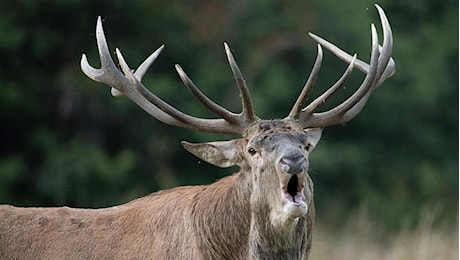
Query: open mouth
[293, 191]
[292, 186]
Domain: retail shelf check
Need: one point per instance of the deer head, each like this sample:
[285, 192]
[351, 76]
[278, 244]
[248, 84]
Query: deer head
[272, 153]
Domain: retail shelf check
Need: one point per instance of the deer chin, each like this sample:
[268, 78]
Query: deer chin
[292, 195]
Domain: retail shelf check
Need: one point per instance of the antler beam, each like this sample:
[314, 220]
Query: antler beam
[128, 83]
[381, 67]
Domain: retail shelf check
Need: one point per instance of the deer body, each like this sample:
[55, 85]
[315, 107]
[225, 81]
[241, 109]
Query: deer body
[162, 225]
[223, 220]
[265, 211]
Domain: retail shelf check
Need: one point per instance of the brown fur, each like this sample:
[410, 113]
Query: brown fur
[181, 223]
[229, 219]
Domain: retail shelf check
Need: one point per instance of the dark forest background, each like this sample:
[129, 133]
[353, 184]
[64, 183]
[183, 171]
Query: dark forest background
[65, 141]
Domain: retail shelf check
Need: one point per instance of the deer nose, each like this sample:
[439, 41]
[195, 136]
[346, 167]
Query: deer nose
[294, 163]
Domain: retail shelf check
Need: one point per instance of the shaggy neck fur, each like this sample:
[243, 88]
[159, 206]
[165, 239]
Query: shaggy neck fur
[267, 241]
[244, 231]
[273, 235]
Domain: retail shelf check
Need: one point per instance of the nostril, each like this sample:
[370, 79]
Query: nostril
[285, 165]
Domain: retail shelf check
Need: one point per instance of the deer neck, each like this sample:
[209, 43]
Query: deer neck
[273, 238]
[222, 218]
[274, 234]
[270, 235]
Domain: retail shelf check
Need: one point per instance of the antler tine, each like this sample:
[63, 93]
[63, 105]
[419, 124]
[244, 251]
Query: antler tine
[129, 84]
[107, 65]
[208, 103]
[246, 117]
[328, 93]
[381, 67]
[387, 62]
[142, 69]
[248, 110]
[308, 85]
[359, 64]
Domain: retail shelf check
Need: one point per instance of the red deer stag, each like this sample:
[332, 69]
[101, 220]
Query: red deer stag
[265, 211]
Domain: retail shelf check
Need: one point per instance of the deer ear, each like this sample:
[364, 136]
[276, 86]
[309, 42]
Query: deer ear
[222, 154]
[314, 134]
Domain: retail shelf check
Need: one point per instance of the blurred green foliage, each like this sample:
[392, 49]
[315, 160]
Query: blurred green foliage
[65, 141]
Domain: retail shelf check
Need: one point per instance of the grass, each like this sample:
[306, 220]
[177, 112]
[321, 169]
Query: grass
[362, 239]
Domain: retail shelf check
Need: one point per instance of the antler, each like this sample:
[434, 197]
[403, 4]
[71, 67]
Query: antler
[129, 83]
[381, 67]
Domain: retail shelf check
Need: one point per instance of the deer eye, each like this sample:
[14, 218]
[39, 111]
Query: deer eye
[252, 151]
[307, 147]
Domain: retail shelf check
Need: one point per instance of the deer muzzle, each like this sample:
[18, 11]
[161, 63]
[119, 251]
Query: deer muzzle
[293, 166]
[293, 163]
